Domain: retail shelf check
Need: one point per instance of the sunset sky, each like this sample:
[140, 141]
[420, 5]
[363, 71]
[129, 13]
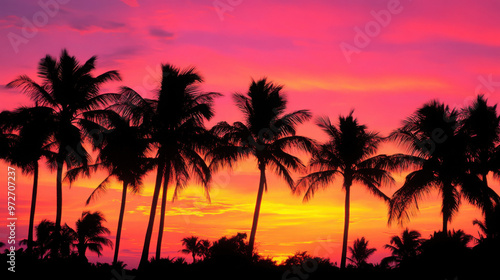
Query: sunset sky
[382, 58]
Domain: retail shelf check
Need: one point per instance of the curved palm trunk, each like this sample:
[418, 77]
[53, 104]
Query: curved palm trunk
[256, 213]
[149, 230]
[194, 255]
[162, 213]
[120, 222]
[33, 206]
[347, 185]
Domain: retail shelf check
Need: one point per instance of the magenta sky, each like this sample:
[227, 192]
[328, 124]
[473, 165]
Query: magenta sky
[415, 52]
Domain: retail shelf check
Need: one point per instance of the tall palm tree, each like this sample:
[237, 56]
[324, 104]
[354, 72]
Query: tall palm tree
[405, 247]
[481, 123]
[350, 152]
[69, 89]
[360, 252]
[432, 133]
[89, 233]
[195, 246]
[34, 131]
[123, 153]
[266, 132]
[175, 120]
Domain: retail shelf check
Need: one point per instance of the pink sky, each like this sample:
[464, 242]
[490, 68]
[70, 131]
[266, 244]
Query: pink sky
[448, 50]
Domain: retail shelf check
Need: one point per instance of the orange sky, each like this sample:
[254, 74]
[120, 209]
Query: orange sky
[448, 51]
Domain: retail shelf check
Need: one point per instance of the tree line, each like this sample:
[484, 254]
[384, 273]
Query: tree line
[452, 150]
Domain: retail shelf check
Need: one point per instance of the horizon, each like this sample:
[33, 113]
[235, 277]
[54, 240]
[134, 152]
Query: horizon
[421, 52]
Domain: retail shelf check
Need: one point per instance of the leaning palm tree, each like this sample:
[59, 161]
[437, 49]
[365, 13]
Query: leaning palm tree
[89, 233]
[34, 130]
[175, 121]
[195, 246]
[123, 153]
[350, 152]
[360, 252]
[265, 134]
[432, 133]
[69, 89]
[404, 248]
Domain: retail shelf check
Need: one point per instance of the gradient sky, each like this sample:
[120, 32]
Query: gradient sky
[420, 50]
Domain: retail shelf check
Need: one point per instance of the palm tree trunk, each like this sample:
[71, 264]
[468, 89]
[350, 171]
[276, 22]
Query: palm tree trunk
[120, 222]
[446, 210]
[445, 224]
[59, 195]
[162, 212]
[149, 231]
[56, 243]
[194, 255]
[82, 249]
[256, 213]
[33, 206]
[347, 206]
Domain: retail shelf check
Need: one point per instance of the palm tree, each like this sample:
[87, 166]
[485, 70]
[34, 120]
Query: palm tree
[69, 89]
[204, 251]
[195, 246]
[175, 121]
[405, 247]
[63, 241]
[350, 153]
[34, 127]
[360, 252]
[123, 153]
[265, 134]
[89, 233]
[44, 232]
[51, 243]
[481, 123]
[432, 133]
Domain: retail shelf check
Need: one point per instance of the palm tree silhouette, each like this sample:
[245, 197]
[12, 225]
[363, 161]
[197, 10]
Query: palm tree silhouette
[123, 153]
[43, 232]
[89, 233]
[404, 248]
[69, 89]
[34, 130]
[481, 123]
[350, 153]
[432, 133]
[265, 134]
[195, 246]
[175, 120]
[50, 243]
[360, 252]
